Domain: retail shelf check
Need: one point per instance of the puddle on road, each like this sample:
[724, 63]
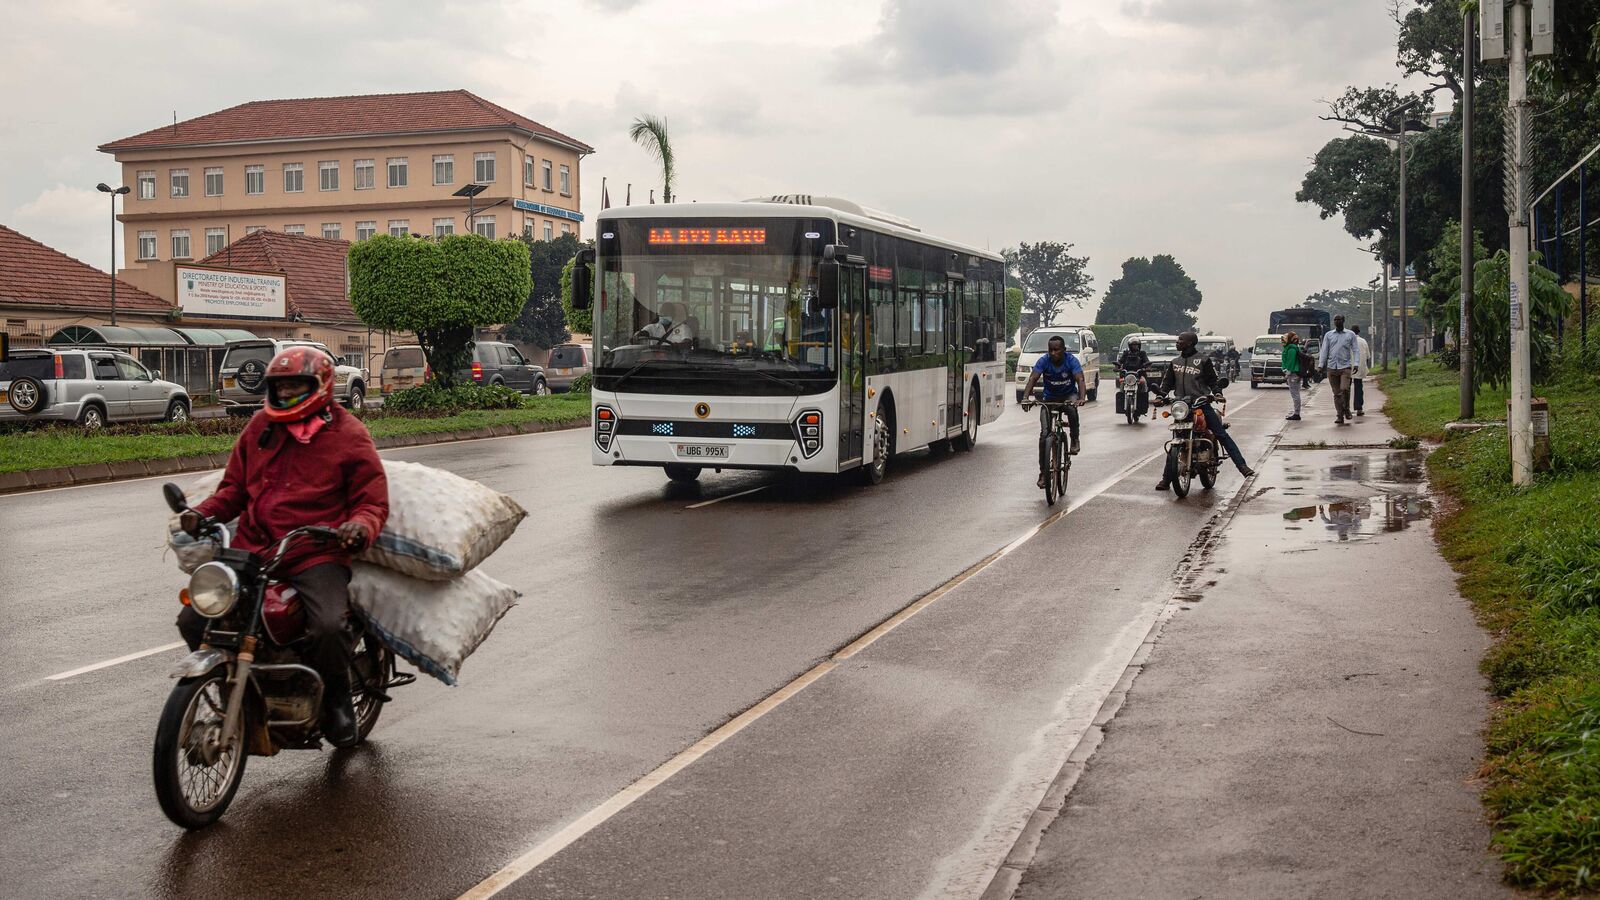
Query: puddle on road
[1346, 520]
[1404, 467]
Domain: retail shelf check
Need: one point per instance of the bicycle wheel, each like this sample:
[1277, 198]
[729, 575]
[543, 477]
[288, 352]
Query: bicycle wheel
[1063, 469]
[1052, 460]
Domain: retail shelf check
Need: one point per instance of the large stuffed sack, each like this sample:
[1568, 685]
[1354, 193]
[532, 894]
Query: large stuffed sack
[440, 524]
[433, 624]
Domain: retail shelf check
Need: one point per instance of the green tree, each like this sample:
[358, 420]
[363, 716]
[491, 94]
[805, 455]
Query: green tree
[543, 320]
[1354, 303]
[1013, 312]
[650, 132]
[440, 290]
[1491, 318]
[1153, 290]
[580, 321]
[1442, 290]
[1050, 277]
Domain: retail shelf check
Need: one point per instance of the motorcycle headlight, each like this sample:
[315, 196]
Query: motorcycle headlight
[1180, 409]
[213, 589]
[1130, 381]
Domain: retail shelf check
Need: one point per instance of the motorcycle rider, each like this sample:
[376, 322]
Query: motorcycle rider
[1063, 383]
[303, 460]
[1134, 360]
[1233, 362]
[1188, 377]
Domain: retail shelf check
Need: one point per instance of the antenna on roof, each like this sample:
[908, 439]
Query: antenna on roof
[174, 121]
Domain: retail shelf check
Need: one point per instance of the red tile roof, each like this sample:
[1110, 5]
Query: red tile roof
[322, 117]
[315, 268]
[32, 274]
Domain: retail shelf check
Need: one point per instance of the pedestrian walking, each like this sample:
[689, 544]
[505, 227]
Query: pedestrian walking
[1295, 364]
[1337, 361]
[1363, 363]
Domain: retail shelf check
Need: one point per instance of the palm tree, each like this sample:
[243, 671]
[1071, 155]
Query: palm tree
[650, 133]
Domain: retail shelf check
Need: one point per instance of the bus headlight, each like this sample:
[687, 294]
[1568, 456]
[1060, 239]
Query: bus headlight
[808, 431]
[213, 589]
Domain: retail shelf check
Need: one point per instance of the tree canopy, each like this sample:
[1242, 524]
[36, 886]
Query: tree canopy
[440, 290]
[1050, 277]
[1155, 291]
[543, 321]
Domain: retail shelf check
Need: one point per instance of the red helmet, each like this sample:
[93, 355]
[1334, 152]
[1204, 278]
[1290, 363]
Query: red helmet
[306, 364]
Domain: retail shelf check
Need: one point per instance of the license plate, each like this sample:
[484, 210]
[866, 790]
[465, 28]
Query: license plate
[227, 382]
[703, 451]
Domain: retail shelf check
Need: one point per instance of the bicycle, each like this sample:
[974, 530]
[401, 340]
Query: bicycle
[1057, 455]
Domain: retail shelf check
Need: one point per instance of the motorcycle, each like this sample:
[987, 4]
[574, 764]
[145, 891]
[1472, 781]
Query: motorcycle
[1133, 395]
[247, 690]
[1194, 451]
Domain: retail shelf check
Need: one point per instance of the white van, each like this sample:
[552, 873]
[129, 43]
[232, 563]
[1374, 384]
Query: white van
[1080, 342]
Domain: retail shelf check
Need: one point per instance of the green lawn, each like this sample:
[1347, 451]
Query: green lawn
[1529, 561]
[50, 447]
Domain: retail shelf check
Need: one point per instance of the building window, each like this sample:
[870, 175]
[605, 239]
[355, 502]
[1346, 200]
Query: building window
[399, 227]
[147, 244]
[547, 170]
[216, 240]
[252, 229]
[331, 230]
[147, 184]
[180, 243]
[442, 227]
[366, 174]
[365, 230]
[566, 227]
[180, 182]
[527, 171]
[566, 182]
[294, 178]
[328, 175]
[214, 181]
[548, 235]
[484, 226]
[294, 229]
[397, 171]
[527, 227]
[255, 179]
[483, 168]
[444, 169]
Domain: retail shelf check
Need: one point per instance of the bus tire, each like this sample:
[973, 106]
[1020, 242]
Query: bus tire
[681, 473]
[882, 444]
[968, 438]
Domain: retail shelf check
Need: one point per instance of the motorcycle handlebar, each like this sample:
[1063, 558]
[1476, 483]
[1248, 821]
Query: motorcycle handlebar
[320, 533]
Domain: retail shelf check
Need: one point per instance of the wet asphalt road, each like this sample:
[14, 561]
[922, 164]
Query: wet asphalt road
[648, 622]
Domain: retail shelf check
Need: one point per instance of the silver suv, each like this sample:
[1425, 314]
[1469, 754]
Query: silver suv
[244, 369]
[87, 386]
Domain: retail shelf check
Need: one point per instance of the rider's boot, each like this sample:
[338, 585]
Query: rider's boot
[339, 714]
[1074, 450]
[1041, 480]
[1163, 485]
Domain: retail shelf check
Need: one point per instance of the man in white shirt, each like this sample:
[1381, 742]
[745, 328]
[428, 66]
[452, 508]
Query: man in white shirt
[1337, 360]
[1363, 363]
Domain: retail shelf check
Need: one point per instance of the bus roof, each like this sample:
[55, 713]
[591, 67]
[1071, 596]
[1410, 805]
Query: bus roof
[786, 210]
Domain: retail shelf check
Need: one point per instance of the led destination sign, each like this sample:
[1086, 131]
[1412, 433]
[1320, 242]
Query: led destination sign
[707, 236]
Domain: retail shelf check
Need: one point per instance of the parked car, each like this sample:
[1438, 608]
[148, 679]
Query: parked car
[244, 369]
[567, 363]
[496, 362]
[88, 386]
[1080, 341]
[403, 367]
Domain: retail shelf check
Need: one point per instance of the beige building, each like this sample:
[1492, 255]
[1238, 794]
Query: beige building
[344, 168]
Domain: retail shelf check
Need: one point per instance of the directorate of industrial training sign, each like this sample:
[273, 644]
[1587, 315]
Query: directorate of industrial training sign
[225, 292]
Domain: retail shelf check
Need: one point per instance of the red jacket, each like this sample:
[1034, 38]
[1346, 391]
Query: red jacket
[274, 489]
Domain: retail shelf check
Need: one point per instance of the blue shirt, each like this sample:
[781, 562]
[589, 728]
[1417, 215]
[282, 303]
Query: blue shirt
[1060, 382]
[1339, 350]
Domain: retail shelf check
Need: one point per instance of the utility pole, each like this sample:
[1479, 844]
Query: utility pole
[1521, 417]
[1384, 334]
[1404, 313]
[1464, 330]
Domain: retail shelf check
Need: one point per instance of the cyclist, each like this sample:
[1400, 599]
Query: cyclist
[1062, 375]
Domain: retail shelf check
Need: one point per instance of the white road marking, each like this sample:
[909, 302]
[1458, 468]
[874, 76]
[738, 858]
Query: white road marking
[597, 816]
[84, 670]
[729, 497]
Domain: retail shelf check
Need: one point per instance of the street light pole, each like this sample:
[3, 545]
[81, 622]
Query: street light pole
[104, 188]
[1464, 330]
[1521, 417]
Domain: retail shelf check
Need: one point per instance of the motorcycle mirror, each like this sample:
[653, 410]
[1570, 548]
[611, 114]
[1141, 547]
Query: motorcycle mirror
[1222, 383]
[175, 498]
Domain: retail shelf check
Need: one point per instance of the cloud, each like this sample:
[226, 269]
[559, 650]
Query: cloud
[938, 39]
[615, 6]
[75, 221]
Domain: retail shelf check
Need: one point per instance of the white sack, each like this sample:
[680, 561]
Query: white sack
[433, 624]
[440, 524]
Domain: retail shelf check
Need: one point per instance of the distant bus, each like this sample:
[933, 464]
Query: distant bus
[1309, 323]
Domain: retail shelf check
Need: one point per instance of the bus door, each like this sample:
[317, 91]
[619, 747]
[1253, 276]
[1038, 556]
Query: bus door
[852, 321]
[955, 356]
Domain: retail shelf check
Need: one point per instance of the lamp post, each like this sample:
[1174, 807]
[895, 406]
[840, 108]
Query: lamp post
[1468, 393]
[104, 188]
[1406, 125]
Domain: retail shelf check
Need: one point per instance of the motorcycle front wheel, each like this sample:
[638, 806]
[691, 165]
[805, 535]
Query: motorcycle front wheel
[1178, 460]
[196, 772]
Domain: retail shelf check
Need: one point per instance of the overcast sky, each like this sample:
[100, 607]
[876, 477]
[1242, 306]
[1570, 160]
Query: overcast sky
[1125, 127]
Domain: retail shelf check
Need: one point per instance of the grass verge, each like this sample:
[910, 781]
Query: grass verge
[1529, 561]
[45, 448]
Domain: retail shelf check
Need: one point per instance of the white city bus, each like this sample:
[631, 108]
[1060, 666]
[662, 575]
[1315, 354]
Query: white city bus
[801, 333]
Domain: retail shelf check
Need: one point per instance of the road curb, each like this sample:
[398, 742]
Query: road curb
[127, 470]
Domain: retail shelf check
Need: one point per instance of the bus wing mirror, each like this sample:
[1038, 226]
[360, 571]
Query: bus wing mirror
[582, 280]
[828, 284]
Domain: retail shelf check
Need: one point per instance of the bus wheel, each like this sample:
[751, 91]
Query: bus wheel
[969, 431]
[882, 447]
[683, 473]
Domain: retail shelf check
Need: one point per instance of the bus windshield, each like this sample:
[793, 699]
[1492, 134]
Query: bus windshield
[713, 305]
